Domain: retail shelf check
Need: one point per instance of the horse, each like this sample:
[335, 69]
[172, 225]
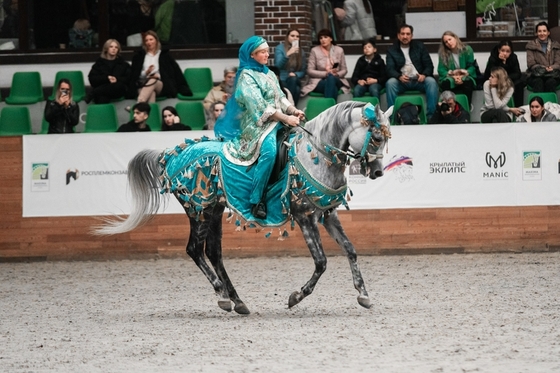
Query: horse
[315, 183]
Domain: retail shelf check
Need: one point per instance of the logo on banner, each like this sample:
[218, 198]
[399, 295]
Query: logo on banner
[496, 165]
[448, 168]
[355, 175]
[40, 177]
[532, 165]
[401, 167]
[72, 174]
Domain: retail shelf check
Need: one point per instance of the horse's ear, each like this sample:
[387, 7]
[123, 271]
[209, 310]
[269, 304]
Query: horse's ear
[389, 112]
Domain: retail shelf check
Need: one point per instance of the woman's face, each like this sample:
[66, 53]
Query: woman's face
[542, 33]
[150, 42]
[261, 56]
[505, 51]
[168, 118]
[450, 42]
[218, 108]
[293, 35]
[536, 109]
[64, 88]
[325, 41]
[113, 50]
[493, 80]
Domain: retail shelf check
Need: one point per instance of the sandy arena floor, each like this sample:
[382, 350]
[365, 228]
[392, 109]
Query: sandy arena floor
[440, 313]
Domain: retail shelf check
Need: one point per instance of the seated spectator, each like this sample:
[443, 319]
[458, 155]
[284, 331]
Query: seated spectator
[497, 92]
[543, 61]
[170, 120]
[369, 74]
[326, 68]
[141, 112]
[110, 75]
[62, 113]
[217, 108]
[286, 91]
[81, 35]
[456, 66]
[449, 111]
[502, 55]
[221, 92]
[290, 59]
[155, 72]
[357, 20]
[537, 112]
[410, 67]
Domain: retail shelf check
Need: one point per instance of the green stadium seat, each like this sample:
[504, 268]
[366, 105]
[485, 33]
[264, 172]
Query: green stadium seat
[546, 96]
[101, 118]
[15, 121]
[316, 105]
[200, 82]
[191, 114]
[26, 88]
[373, 100]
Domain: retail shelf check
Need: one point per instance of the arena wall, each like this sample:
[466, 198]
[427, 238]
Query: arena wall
[373, 232]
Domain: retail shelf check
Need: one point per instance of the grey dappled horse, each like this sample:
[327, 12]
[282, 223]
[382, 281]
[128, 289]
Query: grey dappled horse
[336, 135]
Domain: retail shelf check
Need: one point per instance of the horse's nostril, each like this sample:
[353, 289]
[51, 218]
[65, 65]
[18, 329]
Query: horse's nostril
[378, 173]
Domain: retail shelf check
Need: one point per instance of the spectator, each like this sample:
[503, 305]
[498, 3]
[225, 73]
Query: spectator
[216, 109]
[456, 66]
[286, 91]
[155, 72]
[497, 92]
[221, 92]
[502, 55]
[543, 61]
[290, 59]
[410, 67]
[81, 35]
[62, 113]
[357, 20]
[537, 112]
[109, 76]
[170, 120]
[326, 68]
[258, 110]
[369, 74]
[449, 111]
[140, 112]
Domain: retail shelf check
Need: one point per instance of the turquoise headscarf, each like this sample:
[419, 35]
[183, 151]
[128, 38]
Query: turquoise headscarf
[227, 125]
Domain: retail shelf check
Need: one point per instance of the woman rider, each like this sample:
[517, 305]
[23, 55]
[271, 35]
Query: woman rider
[258, 111]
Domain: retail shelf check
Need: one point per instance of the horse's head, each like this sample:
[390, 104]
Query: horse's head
[369, 139]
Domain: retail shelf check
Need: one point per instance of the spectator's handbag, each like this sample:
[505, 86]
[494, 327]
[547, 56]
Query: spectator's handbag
[540, 72]
[146, 82]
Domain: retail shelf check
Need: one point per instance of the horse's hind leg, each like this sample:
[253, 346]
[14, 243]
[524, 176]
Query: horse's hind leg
[308, 225]
[214, 254]
[335, 230]
[195, 249]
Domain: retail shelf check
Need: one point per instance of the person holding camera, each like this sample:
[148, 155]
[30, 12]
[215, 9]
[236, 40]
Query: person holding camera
[449, 111]
[62, 113]
[326, 68]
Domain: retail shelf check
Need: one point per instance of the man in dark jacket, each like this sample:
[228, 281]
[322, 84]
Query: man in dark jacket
[450, 111]
[369, 74]
[410, 67]
[141, 112]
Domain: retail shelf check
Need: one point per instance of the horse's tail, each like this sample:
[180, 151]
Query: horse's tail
[143, 173]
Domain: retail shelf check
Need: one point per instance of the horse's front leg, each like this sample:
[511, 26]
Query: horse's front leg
[308, 226]
[214, 254]
[335, 230]
[195, 249]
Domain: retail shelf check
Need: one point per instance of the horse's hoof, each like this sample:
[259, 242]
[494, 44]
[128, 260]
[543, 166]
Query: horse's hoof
[364, 301]
[295, 298]
[242, 309]
[225, 305]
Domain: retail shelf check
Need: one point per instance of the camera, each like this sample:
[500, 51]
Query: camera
[444, 107]
[64, 92]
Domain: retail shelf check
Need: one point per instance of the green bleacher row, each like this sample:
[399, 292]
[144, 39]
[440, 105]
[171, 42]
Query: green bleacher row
[27, 88]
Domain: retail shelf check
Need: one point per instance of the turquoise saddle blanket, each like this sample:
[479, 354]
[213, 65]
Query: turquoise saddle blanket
[198, 173]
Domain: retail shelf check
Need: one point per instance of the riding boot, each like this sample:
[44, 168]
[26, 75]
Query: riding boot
[259, 210]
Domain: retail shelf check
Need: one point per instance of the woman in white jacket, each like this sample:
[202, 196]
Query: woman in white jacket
[357, 19]
[537, 112]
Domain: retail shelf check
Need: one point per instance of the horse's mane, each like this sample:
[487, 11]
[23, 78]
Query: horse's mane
[334, 114]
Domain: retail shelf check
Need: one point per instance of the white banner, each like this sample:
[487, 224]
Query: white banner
[469, 165]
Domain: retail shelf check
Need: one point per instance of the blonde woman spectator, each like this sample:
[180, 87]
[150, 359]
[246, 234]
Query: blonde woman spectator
[497, 92]
[62, 113]
[110, 75]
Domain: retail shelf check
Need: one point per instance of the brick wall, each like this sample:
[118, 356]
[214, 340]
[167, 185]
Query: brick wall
[273, 19]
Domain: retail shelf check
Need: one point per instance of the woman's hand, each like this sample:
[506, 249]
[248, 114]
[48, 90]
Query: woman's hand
[300, 114]
[292, 50]
[112, 79]
[458, 79]
[64, 100]
[516, 111]
[292, 120]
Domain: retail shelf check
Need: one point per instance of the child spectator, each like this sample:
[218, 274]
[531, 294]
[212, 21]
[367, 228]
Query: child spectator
[369, 74]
